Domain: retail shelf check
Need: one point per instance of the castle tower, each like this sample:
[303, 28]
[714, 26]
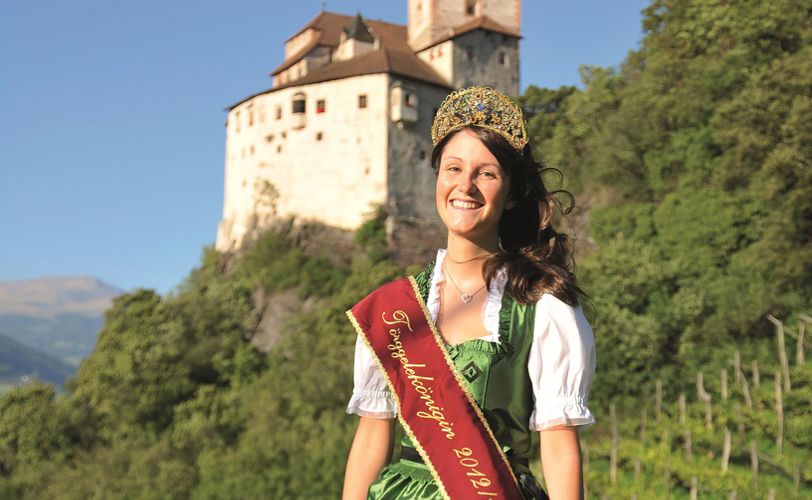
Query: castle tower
[428, 20]
[468, 42]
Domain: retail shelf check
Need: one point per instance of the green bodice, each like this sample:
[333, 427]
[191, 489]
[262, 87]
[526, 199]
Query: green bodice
[496, 374]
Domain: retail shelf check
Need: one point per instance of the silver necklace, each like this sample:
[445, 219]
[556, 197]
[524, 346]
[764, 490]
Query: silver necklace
[465, 297]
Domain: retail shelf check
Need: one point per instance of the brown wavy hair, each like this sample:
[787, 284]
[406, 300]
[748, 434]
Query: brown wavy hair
[537, 259]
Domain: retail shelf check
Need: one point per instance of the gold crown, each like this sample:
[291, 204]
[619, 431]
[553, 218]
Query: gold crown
[482, 107]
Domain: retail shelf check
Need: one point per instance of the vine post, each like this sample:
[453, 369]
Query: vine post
[782, 351]
[779, 414]
[726, 451]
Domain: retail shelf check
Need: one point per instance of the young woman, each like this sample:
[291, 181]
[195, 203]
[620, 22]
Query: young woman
[485, 346]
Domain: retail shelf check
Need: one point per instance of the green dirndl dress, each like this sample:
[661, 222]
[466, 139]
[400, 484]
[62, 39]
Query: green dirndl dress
[497, 378]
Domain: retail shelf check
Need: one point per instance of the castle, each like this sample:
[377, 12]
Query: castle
[346, 124]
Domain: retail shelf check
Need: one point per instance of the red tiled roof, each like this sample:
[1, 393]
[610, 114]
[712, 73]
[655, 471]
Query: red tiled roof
[385, 60]
[477, 23]
[330, 25]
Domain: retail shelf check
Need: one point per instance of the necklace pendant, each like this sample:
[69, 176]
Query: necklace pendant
[466, 298]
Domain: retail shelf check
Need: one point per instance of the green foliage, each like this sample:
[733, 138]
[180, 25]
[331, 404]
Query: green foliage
[31, 431]
[134, 377]
[371, 236]
[694, 155]
[697, 151]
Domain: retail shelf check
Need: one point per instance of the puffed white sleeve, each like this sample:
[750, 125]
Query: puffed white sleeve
[561, 365]
[370, 394]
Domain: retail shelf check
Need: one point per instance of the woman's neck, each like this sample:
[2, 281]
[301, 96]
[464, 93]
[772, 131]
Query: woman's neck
[462, 249]
[464, 257]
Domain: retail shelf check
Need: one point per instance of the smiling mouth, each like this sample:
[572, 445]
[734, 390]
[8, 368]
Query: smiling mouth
[465, 205]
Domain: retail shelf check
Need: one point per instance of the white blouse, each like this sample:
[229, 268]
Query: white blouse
[561, 364]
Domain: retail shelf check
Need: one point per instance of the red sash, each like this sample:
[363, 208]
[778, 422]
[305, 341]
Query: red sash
[444, 422]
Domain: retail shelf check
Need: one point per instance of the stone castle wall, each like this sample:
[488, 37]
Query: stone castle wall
[486, 58]
[330, 166]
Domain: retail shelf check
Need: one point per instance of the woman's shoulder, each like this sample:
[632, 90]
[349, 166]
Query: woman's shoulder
[552, 313]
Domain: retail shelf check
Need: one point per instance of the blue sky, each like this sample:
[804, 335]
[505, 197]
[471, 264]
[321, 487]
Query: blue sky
[112, 138]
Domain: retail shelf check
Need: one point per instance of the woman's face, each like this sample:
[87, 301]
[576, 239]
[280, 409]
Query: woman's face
[472, 188]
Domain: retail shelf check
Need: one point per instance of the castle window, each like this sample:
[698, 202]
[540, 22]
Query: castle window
[250, 117]
[298, 106]
[279, 148]
[237, 122]
[403, 104]
[409, 100]
[299, 102]
[252, 150]
[319, 136]
[422, 154]
[362, 101]
[269, 138]
[503, 59]
[321, 106]
[469, 54]
[284, 135]
[471, 7]
[279, 112]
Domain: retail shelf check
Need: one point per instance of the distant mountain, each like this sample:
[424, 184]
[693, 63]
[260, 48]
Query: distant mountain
[48, 297]
[19, 363]
[59, 316]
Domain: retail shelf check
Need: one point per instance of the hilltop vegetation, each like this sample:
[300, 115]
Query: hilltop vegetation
[692, 161]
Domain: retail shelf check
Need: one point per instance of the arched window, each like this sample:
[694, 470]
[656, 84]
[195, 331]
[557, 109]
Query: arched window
[299, 103]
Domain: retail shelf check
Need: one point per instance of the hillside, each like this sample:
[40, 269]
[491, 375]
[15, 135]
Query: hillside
[59, 316]
[18, 361]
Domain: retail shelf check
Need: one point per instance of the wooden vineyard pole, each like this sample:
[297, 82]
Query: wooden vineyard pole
[745, 387]
[796, 478]
[756, 376]
[799, 343]
[637, 468]
[737, 366]
[782, 352]
[726, 451]
[689, 451]
[754, 460]
[723, 382]
[704, 396]
[779, 415]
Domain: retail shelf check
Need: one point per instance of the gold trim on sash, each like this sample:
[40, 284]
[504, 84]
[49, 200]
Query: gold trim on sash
[406, 428]
[457, 376]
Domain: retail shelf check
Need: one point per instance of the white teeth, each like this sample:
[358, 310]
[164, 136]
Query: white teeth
[464, 204]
